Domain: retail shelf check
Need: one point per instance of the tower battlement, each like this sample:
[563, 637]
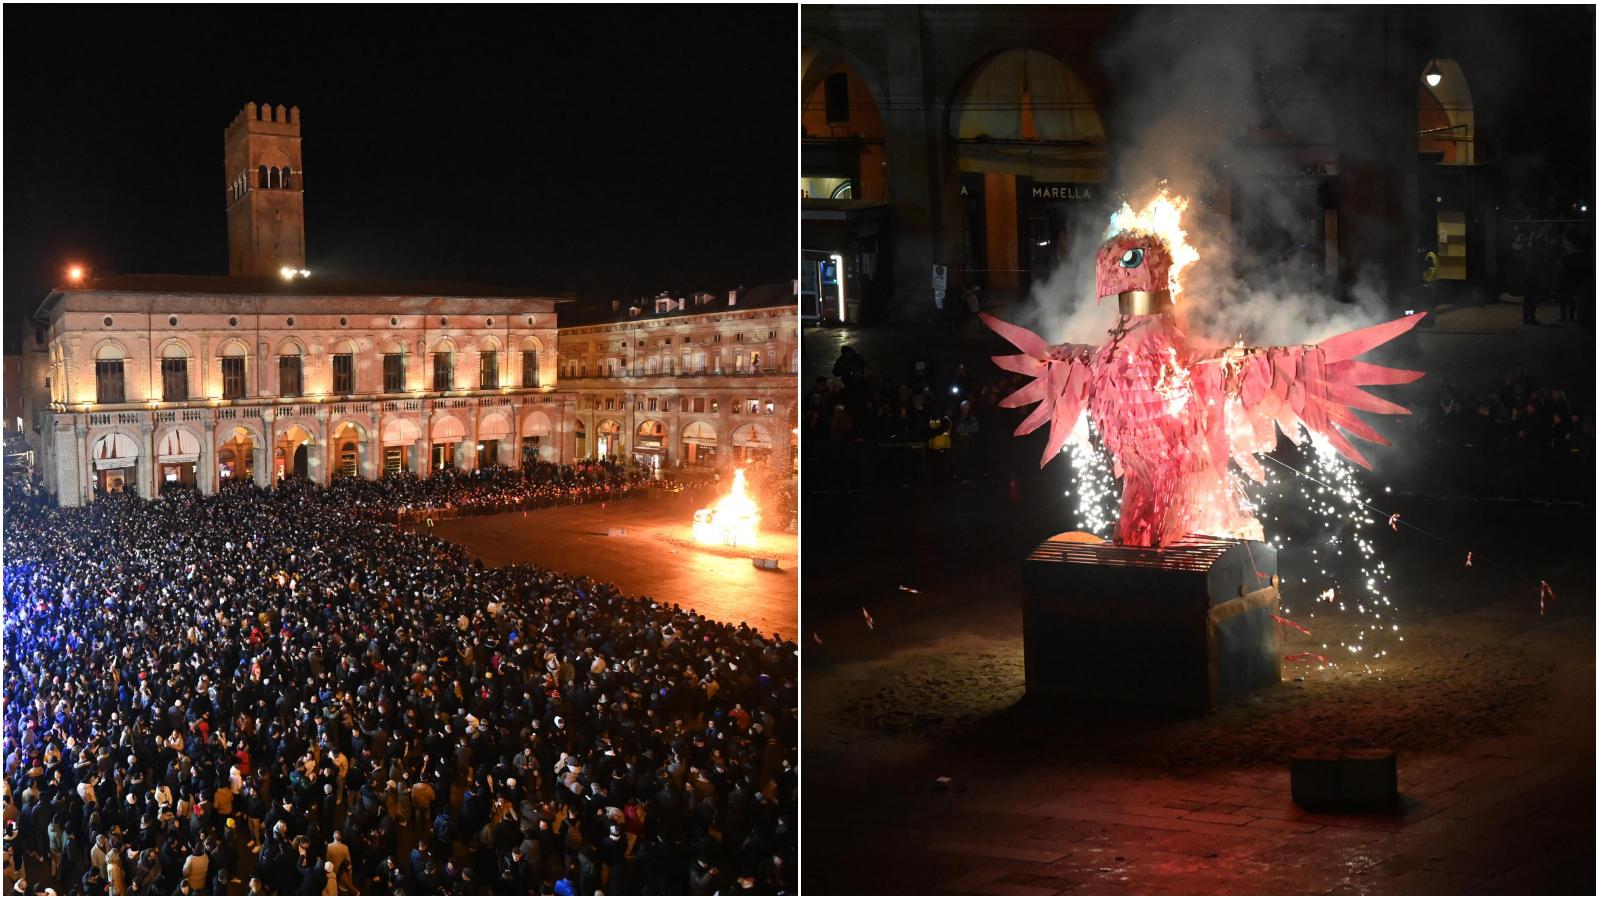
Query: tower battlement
[263, 190]
[264, 118]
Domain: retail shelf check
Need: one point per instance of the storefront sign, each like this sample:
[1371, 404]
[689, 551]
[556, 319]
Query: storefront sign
[1062, 191]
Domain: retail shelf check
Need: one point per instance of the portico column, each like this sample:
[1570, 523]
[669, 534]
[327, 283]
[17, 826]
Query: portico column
[206, 478]
[147, 472]
[424, 461]
[263, 454]
[84, 476]
[469, 459]
[321, 462]
[516, 436]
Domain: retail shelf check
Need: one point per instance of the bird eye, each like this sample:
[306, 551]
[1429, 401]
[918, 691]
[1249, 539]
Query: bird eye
[1132, 258]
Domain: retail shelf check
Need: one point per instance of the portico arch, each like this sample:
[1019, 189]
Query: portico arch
[400, 437]
[291, 452]
[752, 444]
[608, 440]
[536, 437]
[494, 438]
[237, 447]
[177, 457]
[699, 444]
[650, 445]
[345, 456]
[444, 437]
[115, 456]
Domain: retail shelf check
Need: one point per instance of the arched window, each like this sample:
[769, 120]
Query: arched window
[276, 179]
[174, 372]
[394, 367]
[290, 370]
[233, 370]
[108, 374]
[262, 177]
[444, 375]
[530, 364]
[288, 177]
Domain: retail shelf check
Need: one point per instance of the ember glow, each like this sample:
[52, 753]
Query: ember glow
[732, 520]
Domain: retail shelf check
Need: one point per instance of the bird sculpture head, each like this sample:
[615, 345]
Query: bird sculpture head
[1135, 267]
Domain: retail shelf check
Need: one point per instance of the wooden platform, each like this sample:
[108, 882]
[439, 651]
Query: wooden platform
[1177, 629]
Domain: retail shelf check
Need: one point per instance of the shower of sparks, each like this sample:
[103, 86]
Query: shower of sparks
[1350, 578]
[1092, 481]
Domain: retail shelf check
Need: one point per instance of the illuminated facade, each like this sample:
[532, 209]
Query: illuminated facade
[139, 382]
[685, 382]
[156, 380]
[148, 381]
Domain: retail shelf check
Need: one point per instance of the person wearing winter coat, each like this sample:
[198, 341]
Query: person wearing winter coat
[196, 867]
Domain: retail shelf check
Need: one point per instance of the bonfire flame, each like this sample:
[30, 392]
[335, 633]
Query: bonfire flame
[732, 520]
[1160, 217]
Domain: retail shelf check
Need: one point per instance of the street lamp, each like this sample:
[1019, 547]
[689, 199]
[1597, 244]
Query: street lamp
[1433, 76]
[75, 273]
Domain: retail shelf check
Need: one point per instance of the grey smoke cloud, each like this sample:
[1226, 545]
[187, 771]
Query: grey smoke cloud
[1196, 90]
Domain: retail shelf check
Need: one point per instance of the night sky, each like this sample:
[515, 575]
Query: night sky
[613, 152]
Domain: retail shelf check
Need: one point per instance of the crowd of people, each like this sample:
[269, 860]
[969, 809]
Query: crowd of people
[861, 430]
[1552, 261]
[488, 489]
[259, 693]
[1515, 440]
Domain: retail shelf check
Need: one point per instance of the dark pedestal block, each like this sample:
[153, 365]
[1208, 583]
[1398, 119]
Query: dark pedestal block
[1174, 630]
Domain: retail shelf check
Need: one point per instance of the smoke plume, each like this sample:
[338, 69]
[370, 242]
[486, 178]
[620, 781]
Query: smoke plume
[1202, 96]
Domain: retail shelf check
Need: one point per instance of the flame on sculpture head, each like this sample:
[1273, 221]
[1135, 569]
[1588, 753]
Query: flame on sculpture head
[1161, 217]
[732, 520]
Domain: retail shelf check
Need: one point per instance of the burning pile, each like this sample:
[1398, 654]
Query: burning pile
[732, 520]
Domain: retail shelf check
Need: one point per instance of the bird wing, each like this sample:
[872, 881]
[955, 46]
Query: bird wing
[1060, 385]
[1318, 386]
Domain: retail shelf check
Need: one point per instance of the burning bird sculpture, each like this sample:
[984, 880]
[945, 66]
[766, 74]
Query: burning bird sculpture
[1172, 413]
